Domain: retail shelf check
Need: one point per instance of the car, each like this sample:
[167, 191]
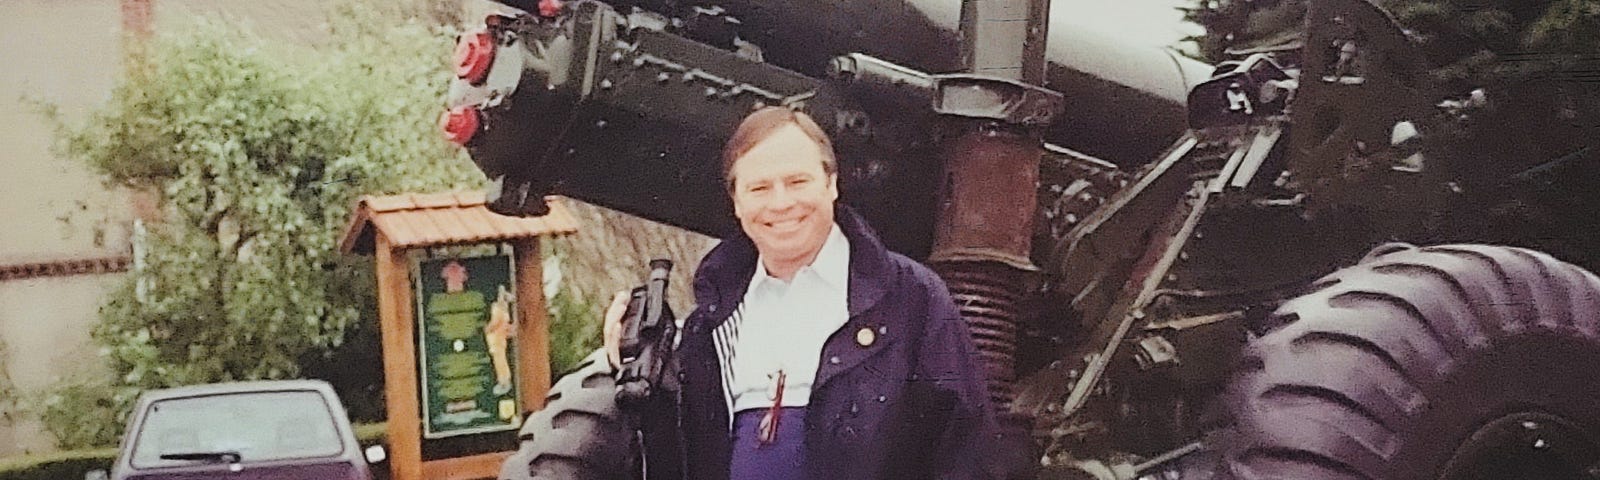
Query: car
[281, 430]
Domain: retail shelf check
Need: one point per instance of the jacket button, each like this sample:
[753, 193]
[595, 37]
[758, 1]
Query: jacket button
[833, 360]
[855, 408]
[711, 307]
[882, 398]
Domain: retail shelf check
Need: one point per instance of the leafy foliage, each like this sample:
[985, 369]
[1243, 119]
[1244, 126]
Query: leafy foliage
[1535, 59]
[1241, 24]
[257, 151]
[575, 323]
[1526, 144]
[84, 412]
[1471, 43]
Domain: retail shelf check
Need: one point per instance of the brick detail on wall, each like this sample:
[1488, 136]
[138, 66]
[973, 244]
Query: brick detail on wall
[62, 268]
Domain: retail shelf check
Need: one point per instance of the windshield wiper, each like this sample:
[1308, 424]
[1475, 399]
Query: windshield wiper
[225, 456]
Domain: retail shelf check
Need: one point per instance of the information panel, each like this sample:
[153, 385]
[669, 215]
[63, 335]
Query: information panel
[465, 315]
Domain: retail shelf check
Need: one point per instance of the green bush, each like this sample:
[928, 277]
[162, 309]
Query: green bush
[84, 413]
[575, 326]
[257, 150]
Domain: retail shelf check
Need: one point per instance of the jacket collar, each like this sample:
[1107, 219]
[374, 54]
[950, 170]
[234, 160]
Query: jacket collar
[724, 274]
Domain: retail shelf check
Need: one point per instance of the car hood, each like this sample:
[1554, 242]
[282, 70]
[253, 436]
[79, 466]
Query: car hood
[327, 471]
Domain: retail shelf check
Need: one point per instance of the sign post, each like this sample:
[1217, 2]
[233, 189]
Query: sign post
[465, 332]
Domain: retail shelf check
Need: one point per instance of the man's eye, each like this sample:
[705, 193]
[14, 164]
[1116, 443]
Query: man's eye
[759, 188]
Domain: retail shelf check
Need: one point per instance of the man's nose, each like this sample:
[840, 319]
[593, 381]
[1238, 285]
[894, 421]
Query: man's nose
[782, 198]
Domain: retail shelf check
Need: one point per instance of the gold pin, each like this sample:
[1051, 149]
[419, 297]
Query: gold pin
[865, 337]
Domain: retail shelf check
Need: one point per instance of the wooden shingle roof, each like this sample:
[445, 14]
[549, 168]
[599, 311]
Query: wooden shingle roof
[425, 220]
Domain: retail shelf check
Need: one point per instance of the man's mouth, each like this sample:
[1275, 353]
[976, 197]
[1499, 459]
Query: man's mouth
[785, 225]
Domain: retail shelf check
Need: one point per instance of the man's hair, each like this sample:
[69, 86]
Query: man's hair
[761, 124]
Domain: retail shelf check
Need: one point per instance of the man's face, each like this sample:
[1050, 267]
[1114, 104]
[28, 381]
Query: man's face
[782, 196]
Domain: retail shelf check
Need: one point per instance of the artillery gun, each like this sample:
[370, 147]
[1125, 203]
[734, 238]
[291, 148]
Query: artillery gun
[1172, 270]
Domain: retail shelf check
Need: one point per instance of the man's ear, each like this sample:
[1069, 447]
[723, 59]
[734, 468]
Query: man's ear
[833, 186]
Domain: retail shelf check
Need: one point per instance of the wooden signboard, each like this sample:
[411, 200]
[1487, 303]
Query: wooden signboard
[464, 325]
[456, 324]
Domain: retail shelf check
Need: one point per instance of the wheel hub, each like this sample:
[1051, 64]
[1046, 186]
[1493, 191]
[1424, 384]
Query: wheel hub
[1526, 445]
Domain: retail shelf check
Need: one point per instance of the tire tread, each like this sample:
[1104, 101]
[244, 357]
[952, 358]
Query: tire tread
[1397, 324]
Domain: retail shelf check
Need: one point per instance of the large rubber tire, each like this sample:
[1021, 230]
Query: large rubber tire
[1388, 368]
[579, 435]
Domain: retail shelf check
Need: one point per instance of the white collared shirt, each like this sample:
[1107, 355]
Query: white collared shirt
[784, 325]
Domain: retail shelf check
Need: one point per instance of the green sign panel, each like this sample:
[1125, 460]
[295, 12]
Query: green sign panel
[465, 309]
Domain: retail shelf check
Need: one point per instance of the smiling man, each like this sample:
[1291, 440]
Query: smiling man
[814, 352]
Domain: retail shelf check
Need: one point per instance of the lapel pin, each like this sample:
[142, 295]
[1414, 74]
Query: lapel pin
[865, 337]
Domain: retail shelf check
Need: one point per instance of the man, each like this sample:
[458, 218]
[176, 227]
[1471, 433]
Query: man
[814, 352]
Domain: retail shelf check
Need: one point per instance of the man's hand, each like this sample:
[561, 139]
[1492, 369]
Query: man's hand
[613, 328]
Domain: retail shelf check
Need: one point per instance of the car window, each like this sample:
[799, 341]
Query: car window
[258, 426]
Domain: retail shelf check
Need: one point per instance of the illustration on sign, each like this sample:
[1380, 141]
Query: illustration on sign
[466, 324]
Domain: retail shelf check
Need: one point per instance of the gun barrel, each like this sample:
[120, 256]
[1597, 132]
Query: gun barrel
[1125, 102]
[629, 110]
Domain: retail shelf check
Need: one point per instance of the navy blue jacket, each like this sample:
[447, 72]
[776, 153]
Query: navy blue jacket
[910, 405]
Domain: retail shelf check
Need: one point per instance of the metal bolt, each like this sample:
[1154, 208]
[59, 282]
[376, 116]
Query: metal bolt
[605, 84]
[616, 57]
[638, 62]
[663, 77]
[711, 92]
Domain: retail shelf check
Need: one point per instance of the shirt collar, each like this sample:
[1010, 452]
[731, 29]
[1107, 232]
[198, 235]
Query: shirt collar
[832, 264]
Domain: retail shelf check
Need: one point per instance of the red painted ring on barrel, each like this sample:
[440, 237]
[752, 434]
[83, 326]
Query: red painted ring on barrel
[474, 54]
[460, 124]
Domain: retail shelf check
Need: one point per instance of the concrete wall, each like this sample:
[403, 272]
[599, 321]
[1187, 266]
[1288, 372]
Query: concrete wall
[68, 53]
[65, 53]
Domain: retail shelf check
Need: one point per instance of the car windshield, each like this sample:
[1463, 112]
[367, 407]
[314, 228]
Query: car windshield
[250, 427]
